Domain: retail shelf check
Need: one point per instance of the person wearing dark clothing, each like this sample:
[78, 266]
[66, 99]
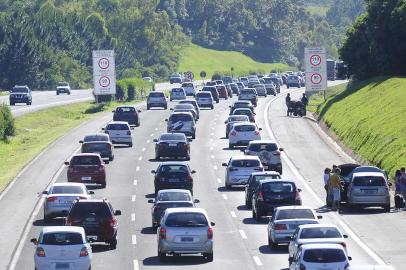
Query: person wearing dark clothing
[288, 103]
[304, 101]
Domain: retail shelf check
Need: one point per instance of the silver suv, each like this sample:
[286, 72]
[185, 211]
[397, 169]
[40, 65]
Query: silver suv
[156, 99]
[268, 152]
[185, 231]
[249, 94]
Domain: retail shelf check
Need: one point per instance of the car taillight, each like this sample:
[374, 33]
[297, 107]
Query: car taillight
[259, 169]
[344, 245]
[109, 146]
[162, 233]
[68, 221]
[84, 252]
[297, 197]
[101, 167]
[302, 267]
[189, 178]
[40, 252]
[112, 222]
[52, 199]
[256, 132]
[260, 196]
[280, 227]
[128, 132]
[276, 153]
[210, 233]
[233, 133]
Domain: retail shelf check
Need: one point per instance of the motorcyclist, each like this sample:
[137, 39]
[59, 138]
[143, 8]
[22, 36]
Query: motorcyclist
[288, 103]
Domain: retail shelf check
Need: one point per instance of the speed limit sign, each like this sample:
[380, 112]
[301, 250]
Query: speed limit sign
[316, 69]
[104, 74]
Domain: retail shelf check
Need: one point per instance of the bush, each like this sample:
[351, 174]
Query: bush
[120, 92]
[7, 127]
[131, 92]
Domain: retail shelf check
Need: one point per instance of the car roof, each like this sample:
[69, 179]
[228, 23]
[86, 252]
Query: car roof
[368, 168]
[173, 163]
[244, 124]
[64, 184]
[117, 122]
[174, 190]
[276, 180]
[307, 226]
[241, 157]
[321, 246]
[368, 174]
[125, 106]
[262, 142]
[293, 207]
[186, 210]
[51, 229]
[183, 113]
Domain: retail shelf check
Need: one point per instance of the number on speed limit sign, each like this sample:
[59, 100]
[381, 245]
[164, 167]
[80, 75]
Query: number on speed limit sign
[315, 60]
[104, 81]
[316, 78]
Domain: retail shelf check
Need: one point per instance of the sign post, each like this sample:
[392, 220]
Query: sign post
[104, 73]
[316, 70]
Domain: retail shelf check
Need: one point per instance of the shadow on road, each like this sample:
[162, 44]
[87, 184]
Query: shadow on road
[243, 207]
[363, 211]
[252, 221]
[97, 248]
[150, 196]
[232, 189]
[175, 260]
[148, 230]
[52, 222]
[281, 249]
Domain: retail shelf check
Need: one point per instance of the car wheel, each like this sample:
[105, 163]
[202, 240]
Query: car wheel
[103, 185]
[130, 145]
[162, 256]
[157, 158]
[258, 215]
[165, 107]
[148, 107]
[217, 101]
[212, 107]
[12, 103]
[271, 244]
[228, 186]
[57, 93]
[254, 215]
[194, 136]
[187, 158]
[231, 146]
[387, 208]
[209, 257]
[111, 158]
[113, 242]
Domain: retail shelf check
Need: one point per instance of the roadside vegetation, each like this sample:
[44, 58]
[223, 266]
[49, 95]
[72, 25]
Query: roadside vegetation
[197, 59]
[369, 117]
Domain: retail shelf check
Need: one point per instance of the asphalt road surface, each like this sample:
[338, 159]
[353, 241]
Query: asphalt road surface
[239, 241]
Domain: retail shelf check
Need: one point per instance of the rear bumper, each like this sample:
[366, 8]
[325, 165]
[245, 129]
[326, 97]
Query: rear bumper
[205, 104]
[169, 247]
[369, 200]
[118, 140]
[281, 238]
[82, 263]
[172, 153]
[95, 179]
[56, 211]
[237, 180]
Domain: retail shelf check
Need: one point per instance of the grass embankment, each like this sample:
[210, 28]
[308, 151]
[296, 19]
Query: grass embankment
[369, 117]
[317, 100]
[197, 59]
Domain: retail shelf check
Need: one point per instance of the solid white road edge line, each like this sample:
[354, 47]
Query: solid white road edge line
[257, 260]
[290, 164]
[243, 235]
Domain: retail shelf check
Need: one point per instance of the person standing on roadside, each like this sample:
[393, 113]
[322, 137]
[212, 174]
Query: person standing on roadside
[398, 179]
[403, 181]
[288, 100]
[334, 185]
[326, 177]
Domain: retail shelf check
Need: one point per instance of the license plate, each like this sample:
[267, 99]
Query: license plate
[62, 266]
[173, 144]
[64, 202]
[86, 178]
[173, 180]
[369, 191]
[187, 239]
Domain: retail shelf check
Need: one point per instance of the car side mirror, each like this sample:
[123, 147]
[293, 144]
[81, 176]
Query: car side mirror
[155, 140]
[166, 120]
[224, 164]
[103, 129]
[34, 241]
[260, 128]
[80, 141]
[349, 258]
[90, 192]
[66, 163]
[117, 213]
[113, 111]
[345, 236]
[299, 189]
[45, 192]
[281, 149]
[193, 171]
[189, 139]
[196, 201]
[106, 162]
[212, 224]
[319, 217]
[153, 171]
[150, 201]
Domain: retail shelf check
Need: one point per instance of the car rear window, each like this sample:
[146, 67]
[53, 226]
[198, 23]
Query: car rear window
[177, 90]
[210, 88]
[324, 256]
[186, 220]
[327, 232]
[245, 128]
[173, 137]
[85, 209]
[66, 190]
[85, 160]
[242, 112]
[156, 94]
[278, 187]
[117, 127]
[95, 146]
[180, 117]
[238, 118]
[368, 181]
[241, 105]
[203, 95]
[260, 86]
[62, 239]
[187, 84]
[96, 138]
[257, 147]
[184, 107]
[167, 170]
[245, 163]
[295, 214]
[125, 110]
[174, 196]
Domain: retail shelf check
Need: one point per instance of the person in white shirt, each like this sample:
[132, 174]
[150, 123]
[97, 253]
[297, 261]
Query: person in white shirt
[326, 177]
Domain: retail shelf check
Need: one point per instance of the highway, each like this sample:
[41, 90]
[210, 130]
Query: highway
[239, 241]
[46, 99]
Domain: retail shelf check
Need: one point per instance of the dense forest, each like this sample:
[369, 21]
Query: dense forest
[45, 41]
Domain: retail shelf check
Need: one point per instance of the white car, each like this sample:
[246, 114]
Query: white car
[119, 133]
[315, 234]
[205, 99]
[60, 197]
[189, 88]
[177, 94]
[62, 247]
[321, 256]
[240, 168]
[242, 133]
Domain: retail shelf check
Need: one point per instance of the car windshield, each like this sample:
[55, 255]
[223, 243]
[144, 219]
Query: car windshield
[184, 107]
[63, 84]
[258, 147]
[327, 232]
[125, 110]
[62, 239]
[180, 117]
[172, 137]
[210, 88]
[174, 196]
[85, 160]
[156, 94]
[368, 181]
[245, 128]
[96, 138]
[295, 214]
[66, 190]
[242, 112]
[323, 255]
[246, 163]
[167, 170]
[278, 187]
[177, 90]
[186, 220]
[85, 209]
[20, 90]
[346, 170]
[117, 127]
[92, 146]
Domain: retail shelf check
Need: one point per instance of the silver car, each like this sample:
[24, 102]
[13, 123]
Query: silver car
[185, 231]
[205, 99]
[60, 197]
[261, 90]
[285, 220]
[239, 169]
[268, 152]
[368, 189]
[182, 122]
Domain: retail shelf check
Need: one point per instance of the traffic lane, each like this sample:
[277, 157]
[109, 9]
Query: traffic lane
[119, 191]
[378, 234]
[255, 233]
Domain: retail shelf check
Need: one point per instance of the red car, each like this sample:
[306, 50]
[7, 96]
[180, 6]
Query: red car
[223, 93]
[87, 168]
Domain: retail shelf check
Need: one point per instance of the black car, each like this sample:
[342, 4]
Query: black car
[98, 219]
[20, 94]
[213, 91]
[346, 170]
[173, 175]
[241, 104]
[274, 193]
[174, 145]
[127, 114]
[253, 182]
[275, 82]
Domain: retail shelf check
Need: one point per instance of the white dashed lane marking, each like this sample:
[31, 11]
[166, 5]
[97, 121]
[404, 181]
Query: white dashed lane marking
[135, 182]
[219, 180]
[134, 239]
[243, 235]
[136, 266]
[133, 198]
[137, 168]
[132, 217]
[257, 260]
[233, 214]
[225, 197]
[215, 167]
[143, 149]
[140, 158]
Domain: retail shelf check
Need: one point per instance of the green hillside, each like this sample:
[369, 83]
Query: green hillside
[369, 117]
[195, 58]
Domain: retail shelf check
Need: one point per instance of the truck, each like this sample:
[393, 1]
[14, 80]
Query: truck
[331, 70]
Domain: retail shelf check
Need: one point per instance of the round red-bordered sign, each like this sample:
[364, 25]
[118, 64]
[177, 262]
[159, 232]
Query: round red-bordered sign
[104, 63]
[104, 81]
[316, 78]
[315, 60]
